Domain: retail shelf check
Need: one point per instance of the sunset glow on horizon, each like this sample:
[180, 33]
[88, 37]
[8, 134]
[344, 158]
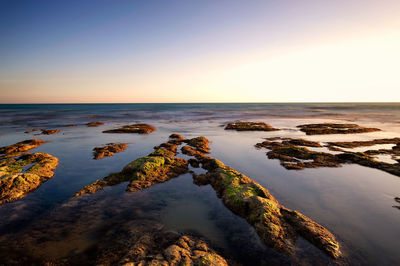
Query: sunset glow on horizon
[206, 51]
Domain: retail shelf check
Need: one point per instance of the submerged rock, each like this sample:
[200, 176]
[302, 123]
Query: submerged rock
[95, 124]
[22, 146]
[250, 126]
[277, 226]
[159, 166]
[331, 128]
[135, 128]
[16, 184]
[49, 131]
[108, 150]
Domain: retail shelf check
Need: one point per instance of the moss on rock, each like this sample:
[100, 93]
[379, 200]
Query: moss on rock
[16, 183]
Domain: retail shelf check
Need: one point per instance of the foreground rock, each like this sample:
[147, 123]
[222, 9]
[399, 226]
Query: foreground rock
[159, 166]
[22, 146]
[16, 184]
[250, 126]
[95, 124]
[108, 150]
[292, 156]
[165, 249]
[277, 226]
[135, 128]
[330, 128]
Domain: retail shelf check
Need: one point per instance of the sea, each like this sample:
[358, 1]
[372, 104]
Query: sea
[353, 202]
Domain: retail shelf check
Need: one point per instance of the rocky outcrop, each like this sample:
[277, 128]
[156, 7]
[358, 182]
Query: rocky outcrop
[186, 250]
[108, 150]
[22, 146]
[277, 226]
[355, 144]
[49, 131]
[331, 128]
[95, 124]
[135, 128]
[16, 183]
[250, 126]
[292, 156]
[159, 166]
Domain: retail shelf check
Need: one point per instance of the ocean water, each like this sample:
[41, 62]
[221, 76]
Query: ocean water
[353, 202]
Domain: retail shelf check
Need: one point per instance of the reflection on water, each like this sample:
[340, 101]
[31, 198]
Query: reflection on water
[353, 202]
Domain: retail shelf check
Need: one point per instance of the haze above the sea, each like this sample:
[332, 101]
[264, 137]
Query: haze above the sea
[204, 51]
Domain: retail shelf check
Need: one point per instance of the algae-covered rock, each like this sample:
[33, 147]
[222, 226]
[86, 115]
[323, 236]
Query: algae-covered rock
[135, 128]
[250, 126]
[22, 146]
[108, 150]
[277, 226]
[201, 144]
[159, 166]
[16, 183]
[332, 128]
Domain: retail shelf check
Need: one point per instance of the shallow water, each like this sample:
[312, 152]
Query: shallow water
[353, 202]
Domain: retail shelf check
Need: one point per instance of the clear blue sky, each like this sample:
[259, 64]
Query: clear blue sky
[199, 51]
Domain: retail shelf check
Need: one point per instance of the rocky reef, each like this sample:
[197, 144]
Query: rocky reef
[16, 183]
[94, 124]
[135, 128]
[331, 128]
[250, 126]
[22, 146]
[292, 156]
[277, 226]
[159, 166]
[108, 150]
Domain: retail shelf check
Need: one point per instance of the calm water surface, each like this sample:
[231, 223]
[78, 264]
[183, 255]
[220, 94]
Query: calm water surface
[353, 202]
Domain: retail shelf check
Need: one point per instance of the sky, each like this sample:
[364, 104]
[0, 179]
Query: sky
[122, 51]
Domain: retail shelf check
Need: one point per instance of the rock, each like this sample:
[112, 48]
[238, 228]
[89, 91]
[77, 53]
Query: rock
[331, 128]
[95, 124]
[201, 144]
[49, 131]
[165, 251]
[294, 157]
[176, 137]
[108, 150]
[22, 146]
[135, 128]
[30, 131]
[355, 144]
[159, 166]
[15, 184]
[71, 125]
[277, 226]
[250, 126]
